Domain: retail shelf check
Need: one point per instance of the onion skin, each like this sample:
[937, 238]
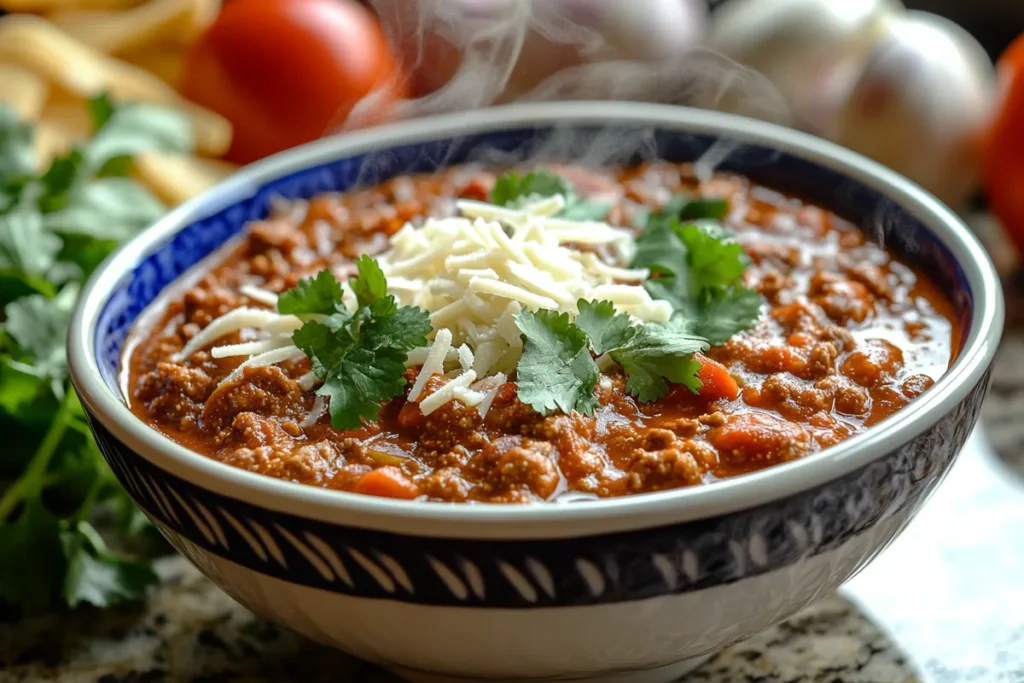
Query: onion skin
[920, 104]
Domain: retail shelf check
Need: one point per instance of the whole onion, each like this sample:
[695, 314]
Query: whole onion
[804, 47]
[920, 102]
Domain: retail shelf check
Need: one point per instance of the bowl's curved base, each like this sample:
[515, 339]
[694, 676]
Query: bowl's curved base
[662, 674]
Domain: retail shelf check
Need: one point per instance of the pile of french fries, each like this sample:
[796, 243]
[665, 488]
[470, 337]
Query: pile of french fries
[56, 54]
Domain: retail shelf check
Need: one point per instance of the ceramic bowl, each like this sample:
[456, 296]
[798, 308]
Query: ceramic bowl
[628, 589]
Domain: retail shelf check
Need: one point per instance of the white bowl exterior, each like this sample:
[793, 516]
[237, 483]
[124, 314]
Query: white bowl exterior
[545, 644]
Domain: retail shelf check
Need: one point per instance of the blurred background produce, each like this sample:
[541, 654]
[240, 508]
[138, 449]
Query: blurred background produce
[112, 111]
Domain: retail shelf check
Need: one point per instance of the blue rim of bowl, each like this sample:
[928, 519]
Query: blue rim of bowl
[461, 520]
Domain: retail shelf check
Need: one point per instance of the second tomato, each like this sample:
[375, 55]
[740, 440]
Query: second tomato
[284, 71]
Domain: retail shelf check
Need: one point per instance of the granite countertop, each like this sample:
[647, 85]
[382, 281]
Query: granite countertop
[944, 604]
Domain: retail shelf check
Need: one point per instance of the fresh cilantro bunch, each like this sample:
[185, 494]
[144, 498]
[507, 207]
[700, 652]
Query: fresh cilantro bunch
[359, 356]
[697, 267]
[557, 370]
[55, 228]
[511, 189]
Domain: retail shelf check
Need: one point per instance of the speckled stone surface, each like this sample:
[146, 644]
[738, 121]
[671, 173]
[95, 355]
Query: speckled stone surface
[190, 631]
[944, 604]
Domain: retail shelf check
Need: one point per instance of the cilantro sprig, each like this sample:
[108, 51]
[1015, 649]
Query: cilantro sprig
[698, 268]
[512, 189]
[557, 369]
[56, 225]
[360, 355]
[695, 265]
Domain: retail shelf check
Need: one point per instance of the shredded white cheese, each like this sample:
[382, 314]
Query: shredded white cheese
[434, 363]
[446, 392]
[259, 295]
[232, 321]
[474, 273]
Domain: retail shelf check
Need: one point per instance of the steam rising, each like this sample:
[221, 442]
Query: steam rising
[494, 51]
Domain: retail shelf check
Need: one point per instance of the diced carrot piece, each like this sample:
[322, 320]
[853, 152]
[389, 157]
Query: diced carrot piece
[410, 415]
[750, 437]
[386, 482]
[716, 380]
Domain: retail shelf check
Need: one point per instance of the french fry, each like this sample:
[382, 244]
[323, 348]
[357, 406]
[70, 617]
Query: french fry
[175, 178]
[67, 114]
[166, 61]
[23, 91]
[38, 45]
[155, 21]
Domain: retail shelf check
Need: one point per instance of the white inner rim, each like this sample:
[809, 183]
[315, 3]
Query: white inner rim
[455, 520]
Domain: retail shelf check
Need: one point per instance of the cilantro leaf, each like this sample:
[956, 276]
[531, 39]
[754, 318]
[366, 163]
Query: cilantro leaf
[17, 154]
[107, 208]
[607, 329]
[66, 174]
[25, 248]
[370, 285]
[360, 357]
[318, 295]
[725, 310]
[18, 388]
[684, 208]
[357, 386]
[39, 325]
[511, 189]
[325, 348]
[698, 268]
[393, 326]
[101, 110]
[712, 260]
[97, 576]
[134, 128]
[34, 564]
[556, 370]
[656, 352]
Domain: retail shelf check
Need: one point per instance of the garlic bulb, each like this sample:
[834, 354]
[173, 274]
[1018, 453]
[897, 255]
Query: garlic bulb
[920, 102]
[806, 48]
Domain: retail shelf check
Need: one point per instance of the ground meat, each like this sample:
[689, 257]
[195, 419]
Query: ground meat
[915, 385]
[445, 483]
[203, 304]
[842, 300]
[176, 391]
[264, 390]
[872, 363]
[308, 462]
[663, 469]
[872, 277]
[275, 234]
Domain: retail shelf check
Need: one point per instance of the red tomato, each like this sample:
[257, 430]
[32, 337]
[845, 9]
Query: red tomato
[1004, 146]
[284, 71]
